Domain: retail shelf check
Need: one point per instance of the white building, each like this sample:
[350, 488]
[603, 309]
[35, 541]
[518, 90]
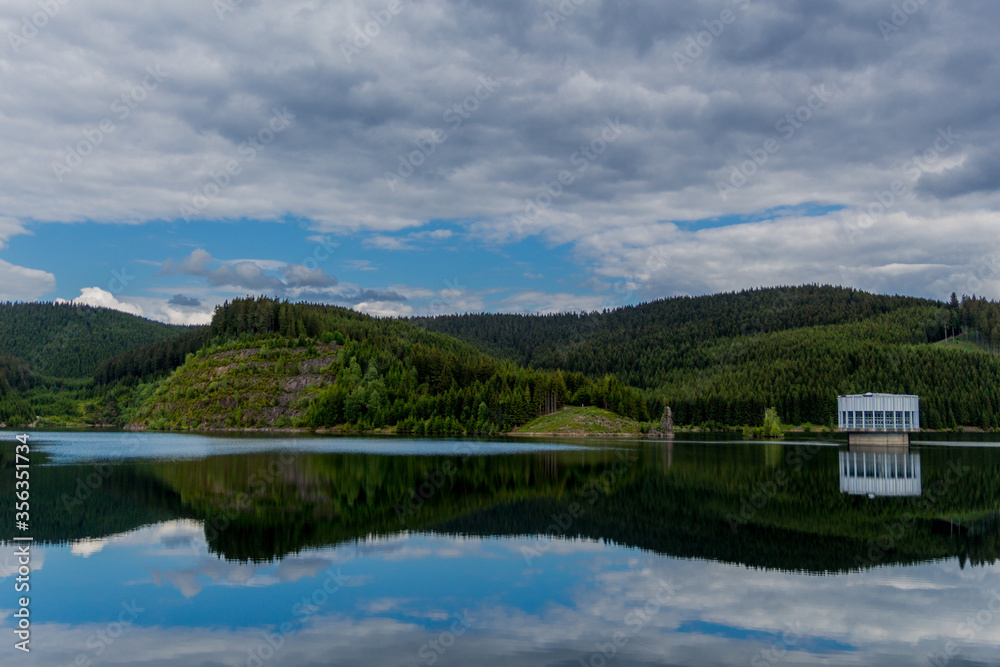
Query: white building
[878, 413]
[884, 473]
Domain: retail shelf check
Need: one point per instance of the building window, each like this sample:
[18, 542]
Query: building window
[869, 419]
[879, 419]
[906, 419]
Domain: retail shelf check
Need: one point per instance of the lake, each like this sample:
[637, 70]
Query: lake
[177, 549]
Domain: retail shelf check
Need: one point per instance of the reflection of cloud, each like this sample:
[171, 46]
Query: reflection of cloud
[186, 581]
[88, 547]
[575, 596]
[382, 605]
[9, 563]
[293, 569]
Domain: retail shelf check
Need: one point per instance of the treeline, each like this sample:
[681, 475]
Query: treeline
[151, 361]
[65, 340]
[980, 317]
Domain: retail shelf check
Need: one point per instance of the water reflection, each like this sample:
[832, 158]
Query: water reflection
[773, 506]
[623, 554]
[879, 472]
[423, 599]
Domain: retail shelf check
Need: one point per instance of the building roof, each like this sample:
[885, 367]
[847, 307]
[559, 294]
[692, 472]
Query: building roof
[872, 395]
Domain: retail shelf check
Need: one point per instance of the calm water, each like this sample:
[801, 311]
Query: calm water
[159, 549]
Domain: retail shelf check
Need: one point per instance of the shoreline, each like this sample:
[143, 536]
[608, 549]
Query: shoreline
[581, 433]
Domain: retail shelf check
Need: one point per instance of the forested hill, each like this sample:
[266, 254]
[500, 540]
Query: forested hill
[723, 359]
[640, 342]
[272, 363]
[69, 341]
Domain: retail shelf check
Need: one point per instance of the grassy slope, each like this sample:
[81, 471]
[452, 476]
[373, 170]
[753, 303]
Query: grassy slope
[240, 386]
[575, 421]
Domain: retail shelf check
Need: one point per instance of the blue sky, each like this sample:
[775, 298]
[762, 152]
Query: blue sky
[439, 268]
[517, 156]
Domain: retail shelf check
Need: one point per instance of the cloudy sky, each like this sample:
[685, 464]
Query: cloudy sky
[431, 156]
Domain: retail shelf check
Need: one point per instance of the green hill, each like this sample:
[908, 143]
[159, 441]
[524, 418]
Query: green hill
[271, 363]
[49, 353]
[724, 358]
[68, 341]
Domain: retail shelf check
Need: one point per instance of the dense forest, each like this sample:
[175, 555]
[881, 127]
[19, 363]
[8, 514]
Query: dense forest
[49, 353]
[642, 343]
[723, 359]
[15, 377]
[152, 360]
[68, 341]
[362, 372]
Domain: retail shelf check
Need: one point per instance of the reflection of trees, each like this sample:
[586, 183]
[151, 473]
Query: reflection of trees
[672, 498]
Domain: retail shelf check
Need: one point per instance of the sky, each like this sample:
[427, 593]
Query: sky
[409, 157]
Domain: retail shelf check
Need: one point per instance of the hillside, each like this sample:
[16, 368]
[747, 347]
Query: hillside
[273, 364]
[48, 353]
[723, 359]
[67, 341]
[14, 378]
[641, 343]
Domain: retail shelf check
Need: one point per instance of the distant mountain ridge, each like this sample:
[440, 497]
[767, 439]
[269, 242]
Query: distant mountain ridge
[70, 341]
[722, 359]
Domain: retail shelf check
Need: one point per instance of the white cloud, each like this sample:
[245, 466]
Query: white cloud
[10, 227]
[900, 253]
[18, 283]
[380, 242]
[99, 298]
[384, 308]
[155, 309]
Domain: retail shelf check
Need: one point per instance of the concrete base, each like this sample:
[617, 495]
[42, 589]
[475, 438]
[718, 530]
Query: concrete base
[879, 439]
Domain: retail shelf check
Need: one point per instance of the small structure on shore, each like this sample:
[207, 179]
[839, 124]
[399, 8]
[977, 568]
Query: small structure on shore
[878, 419]
[667, 423]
